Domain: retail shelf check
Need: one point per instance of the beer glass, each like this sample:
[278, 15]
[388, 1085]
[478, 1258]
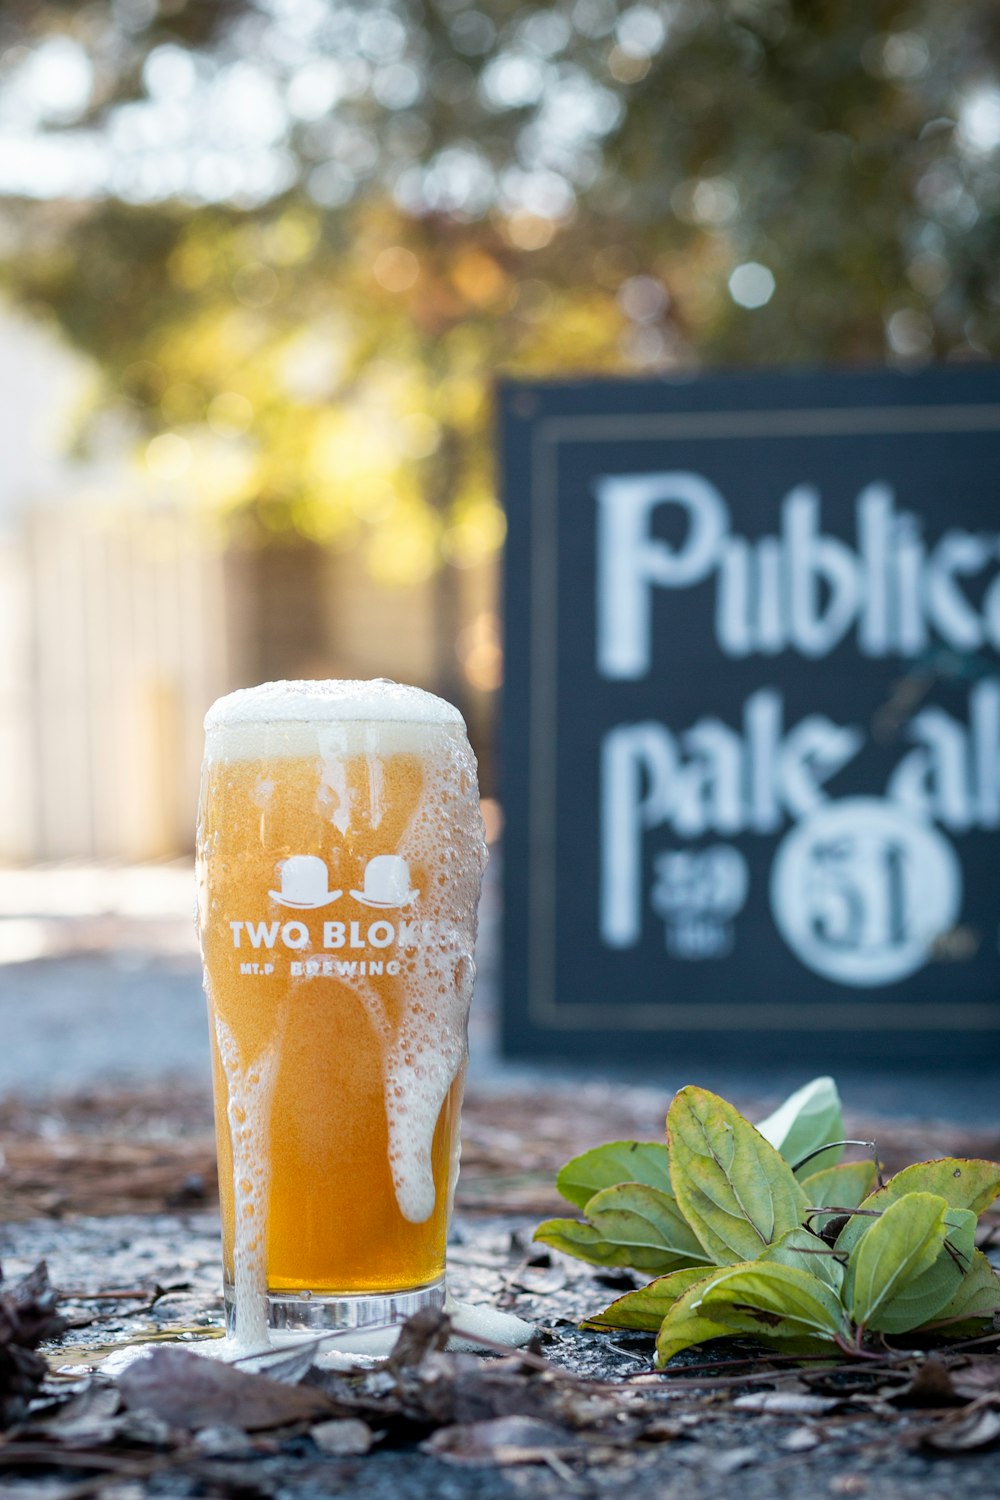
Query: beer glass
[340, 854]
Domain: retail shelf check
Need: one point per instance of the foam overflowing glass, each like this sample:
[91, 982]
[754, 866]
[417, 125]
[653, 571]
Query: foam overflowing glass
[340, 854]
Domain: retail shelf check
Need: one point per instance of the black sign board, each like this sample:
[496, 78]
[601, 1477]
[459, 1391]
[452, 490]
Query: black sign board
[751, 725]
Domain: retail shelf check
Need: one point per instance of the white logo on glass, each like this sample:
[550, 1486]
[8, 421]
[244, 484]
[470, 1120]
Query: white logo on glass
[387, 883]
[304, 883]
[861, 889]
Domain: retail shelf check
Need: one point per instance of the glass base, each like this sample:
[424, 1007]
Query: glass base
[322, 1312]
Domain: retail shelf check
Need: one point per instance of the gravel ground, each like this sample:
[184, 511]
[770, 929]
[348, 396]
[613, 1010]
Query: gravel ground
[707, 1449]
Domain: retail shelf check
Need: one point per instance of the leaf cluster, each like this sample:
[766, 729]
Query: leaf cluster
[765, 1232]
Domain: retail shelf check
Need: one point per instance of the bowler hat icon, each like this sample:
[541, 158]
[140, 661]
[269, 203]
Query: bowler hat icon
[387, 881]
[304, 883]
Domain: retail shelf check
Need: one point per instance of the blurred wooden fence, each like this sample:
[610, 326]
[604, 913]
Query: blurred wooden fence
[115, 641]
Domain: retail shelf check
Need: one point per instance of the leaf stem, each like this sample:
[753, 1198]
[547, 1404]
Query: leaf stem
[829, 1146]
[836, 1210]
[854, 1350]
[827, 1250]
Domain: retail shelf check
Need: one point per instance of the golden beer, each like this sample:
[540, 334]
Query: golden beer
[340, 854]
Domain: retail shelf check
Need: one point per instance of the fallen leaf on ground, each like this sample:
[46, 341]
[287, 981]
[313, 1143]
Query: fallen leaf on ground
[27, 1317]
[85, 1421]
[427, 1330]
[189, 1391]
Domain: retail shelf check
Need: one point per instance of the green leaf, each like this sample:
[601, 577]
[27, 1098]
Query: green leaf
[587, 1243]
[780, 1307]
[633, 1215]
[806, 1121]
[734, 1189]
[806, 1252]
[774, 1300]
[900, 1246]
[646, 1307]
[922, 1300]
[843, 1187]
[618, 1161]
[962, 1182]
[630, 1224]
[685, 1325]
[976, 1300]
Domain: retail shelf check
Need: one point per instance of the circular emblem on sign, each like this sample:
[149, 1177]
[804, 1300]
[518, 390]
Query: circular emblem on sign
[861, 889]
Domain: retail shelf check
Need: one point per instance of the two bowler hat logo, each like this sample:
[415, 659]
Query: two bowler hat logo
[387, 883]
[304, 883]
[305, 879]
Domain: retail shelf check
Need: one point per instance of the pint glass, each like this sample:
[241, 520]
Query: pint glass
[340, 853]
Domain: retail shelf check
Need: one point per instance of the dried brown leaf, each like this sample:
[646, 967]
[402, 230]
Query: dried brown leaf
[28, 1309]
[87, 1420]
[422, 1334]
[189, 1391]
[28, 1316]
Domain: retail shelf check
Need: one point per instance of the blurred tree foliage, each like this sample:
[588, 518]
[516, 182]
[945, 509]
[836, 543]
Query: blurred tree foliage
[304, 236]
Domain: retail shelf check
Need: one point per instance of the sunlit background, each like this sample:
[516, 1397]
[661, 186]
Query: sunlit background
[262, 262]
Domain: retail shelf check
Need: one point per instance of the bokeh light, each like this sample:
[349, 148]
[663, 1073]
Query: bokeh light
[751, 284]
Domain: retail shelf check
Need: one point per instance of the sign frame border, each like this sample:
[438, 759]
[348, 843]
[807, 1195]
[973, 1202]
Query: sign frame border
[543, 1012]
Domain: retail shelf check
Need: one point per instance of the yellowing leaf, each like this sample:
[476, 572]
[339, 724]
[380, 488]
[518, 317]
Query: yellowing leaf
[736, 1192]
[635, 1216]
[685, 1325]
[618, 1161]
[774, 1303]
[961, 1182]
[899, 1247]
[647, 1306]
[775, 1300]
[587, 1243]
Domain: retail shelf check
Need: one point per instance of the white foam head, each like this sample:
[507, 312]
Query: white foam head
[288, 717]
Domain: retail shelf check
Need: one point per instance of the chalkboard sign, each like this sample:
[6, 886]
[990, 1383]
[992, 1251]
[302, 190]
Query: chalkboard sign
[751, 721]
